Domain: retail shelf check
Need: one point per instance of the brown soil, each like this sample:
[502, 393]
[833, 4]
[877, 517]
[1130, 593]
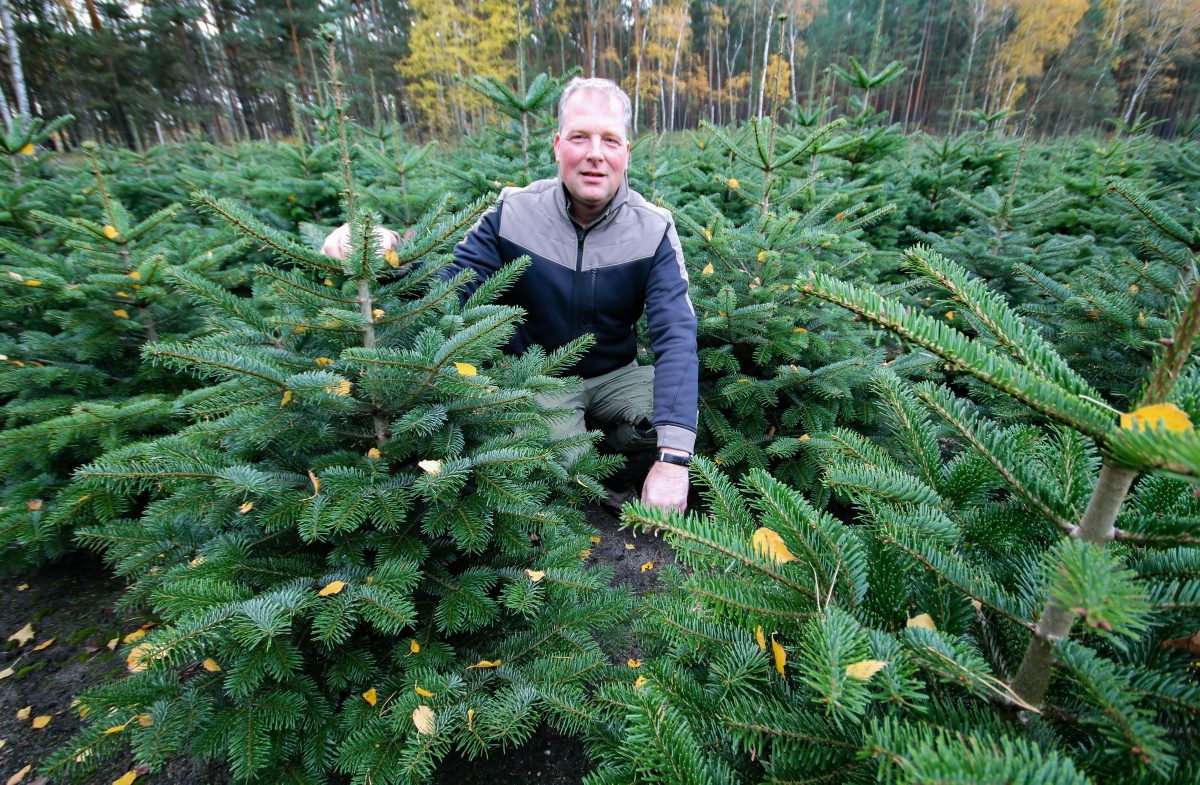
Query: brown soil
[71, 601]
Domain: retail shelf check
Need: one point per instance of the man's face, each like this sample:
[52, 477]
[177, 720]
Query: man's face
[591, 148]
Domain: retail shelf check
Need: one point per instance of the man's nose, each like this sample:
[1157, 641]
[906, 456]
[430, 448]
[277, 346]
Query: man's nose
[594, 150]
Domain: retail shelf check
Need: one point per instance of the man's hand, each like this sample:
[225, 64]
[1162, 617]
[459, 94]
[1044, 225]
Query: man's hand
[666, 485]
[338, 242]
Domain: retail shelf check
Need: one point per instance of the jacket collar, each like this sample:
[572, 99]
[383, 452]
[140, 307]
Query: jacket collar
[619, 198]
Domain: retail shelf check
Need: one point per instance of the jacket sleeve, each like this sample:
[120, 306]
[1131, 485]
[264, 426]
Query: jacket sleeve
[672, 323]
[479, 251]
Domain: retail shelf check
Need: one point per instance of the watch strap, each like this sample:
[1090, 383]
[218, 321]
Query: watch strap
[678, 460]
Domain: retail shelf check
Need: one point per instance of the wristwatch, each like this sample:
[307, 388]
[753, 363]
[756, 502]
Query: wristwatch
[678, 460]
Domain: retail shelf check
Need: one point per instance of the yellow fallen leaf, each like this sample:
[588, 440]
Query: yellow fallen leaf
[634, 663]
[126, 779]
[115, 729]
[26, 150]
[780, 656]
[378, 312]
[707, 235]
[759, 638]
[583, 555]
[287, 398]
[640, 681]
[370, 696]
[535, 575]
[325, 361]
[333, 587]
[424, 693]
[1171, 416]
[391, 258]
[145, 720]
[465, 369]
[594, 539]
[924, 621]
[23, 714]
[762, 255]
[770, 545]
[328, 282]
[211, 665]
[133, 636]
[113, 643]
[32, 282]
[485, 664]
[708, 269]
[470, 719]
[23, 635]
[44, 644]
[799, 330]
[120, 313]
[135, 275]
[804, 438]
[316, 482]
[42, 721]
[431, 467]
[2, 743]
[136, 662]
[628, 546]
[733, 183]
[865, 669]
[340, 389]
[82, 755]
[423, 719]
[4, 674]
[111, 232]
[245, 507]
[840, 216]
[949, 316]
[414, 647]
[977, 605]
[20, 775]
[374, 454]
[648, 566]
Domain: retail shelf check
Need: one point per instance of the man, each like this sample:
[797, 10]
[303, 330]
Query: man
[601, 255]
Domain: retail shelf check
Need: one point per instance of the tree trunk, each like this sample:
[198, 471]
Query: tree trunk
[14, 60]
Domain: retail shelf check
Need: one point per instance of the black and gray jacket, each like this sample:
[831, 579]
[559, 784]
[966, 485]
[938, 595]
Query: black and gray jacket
[596, 280]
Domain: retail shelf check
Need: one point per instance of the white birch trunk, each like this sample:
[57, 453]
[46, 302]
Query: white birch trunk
[675, 66]
[14, 60]
[762, 85]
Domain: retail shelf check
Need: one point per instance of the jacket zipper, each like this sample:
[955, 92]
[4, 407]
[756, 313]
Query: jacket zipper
[592, 302]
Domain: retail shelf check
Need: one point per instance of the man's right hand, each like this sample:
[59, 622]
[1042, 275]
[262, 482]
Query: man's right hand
[337, 244]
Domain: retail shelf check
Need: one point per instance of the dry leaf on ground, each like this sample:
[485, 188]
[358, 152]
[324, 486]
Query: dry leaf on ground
[23, 635]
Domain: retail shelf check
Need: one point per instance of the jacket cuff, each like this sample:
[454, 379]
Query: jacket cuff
[676, 438]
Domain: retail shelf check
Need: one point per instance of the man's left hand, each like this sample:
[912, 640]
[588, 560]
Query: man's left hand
[666, 486]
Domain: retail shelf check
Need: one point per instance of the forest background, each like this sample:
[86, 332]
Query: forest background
[138, 73]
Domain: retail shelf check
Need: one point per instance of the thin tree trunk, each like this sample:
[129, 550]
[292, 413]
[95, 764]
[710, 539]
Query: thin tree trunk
[14, 60]
[675, 66]
[762, 85]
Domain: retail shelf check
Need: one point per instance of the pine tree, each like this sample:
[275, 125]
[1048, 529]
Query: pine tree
[364, 547]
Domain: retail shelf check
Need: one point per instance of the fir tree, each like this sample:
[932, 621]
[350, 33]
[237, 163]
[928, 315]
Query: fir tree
[972, 588]
[363, 546]
[73, 381]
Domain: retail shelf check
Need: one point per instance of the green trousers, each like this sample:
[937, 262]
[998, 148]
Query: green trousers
[620, 403]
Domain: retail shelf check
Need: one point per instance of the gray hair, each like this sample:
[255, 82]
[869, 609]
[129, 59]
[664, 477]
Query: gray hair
[606, 86]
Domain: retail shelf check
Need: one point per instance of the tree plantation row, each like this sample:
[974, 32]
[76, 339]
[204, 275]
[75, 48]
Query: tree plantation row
[947, 456]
